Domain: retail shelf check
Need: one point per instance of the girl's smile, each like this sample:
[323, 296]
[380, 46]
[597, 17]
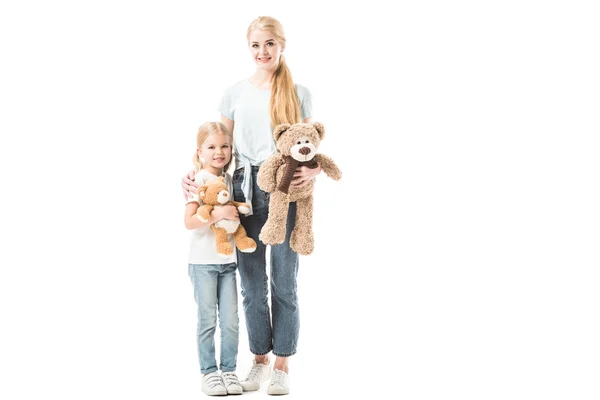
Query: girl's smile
[215, 153]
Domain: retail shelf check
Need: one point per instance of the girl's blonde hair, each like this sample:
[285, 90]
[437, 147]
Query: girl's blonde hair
[284, 105]
[207, 129]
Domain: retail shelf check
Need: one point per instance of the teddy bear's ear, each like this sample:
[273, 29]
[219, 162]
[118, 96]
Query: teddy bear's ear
[221, 179]
[279, 129]
[202, 190]
[319, 127]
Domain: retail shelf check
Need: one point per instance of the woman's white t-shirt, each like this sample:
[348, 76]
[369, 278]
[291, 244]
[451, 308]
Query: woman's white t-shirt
[253, 143]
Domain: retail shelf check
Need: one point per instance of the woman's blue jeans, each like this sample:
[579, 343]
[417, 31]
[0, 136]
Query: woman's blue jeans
[276, 329]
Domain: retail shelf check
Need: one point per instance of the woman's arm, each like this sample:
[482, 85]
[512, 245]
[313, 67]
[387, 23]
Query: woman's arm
[227, 122]
[193, 222]
[188, 185]
[304, 175]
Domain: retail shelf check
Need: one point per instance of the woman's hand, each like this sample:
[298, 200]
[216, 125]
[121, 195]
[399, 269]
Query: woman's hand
[303, 175]
[190, 188]
[226, 212]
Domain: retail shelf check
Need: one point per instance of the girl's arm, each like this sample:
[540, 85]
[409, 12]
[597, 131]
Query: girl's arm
[192, 221]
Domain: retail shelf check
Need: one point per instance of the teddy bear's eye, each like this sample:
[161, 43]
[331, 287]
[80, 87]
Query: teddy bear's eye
[299, 142]
[306, 141]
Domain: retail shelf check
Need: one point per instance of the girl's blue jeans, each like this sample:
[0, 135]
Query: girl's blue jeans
[276, 329]
[215, 289]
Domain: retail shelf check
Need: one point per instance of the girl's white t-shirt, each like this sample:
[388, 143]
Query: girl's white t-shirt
[203, 245]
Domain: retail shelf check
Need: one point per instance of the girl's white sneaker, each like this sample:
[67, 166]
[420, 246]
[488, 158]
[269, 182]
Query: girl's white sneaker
[212, 384]
[232, 383]
[257, 375]
[279, 383]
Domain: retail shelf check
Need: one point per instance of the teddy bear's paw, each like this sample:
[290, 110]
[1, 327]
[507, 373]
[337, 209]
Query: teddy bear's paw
[244, 209]
[201, 218]
[304, 249]
[246, 245]
[301, 245]
[271, 236]
[225, 249]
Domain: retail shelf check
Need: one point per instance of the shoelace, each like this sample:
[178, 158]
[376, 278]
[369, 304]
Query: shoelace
[253, 372]
[213, 381]
[230, 378]
[278, 378]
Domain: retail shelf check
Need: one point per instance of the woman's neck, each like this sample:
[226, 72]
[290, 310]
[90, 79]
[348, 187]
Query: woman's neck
[262, 79]
[213, 170]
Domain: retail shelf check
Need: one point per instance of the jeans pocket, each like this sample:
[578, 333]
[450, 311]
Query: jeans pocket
[238, 195]
[238, 175]
[191, 272]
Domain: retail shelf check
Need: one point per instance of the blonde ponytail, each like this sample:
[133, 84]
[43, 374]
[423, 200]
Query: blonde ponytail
[284, 105]
[197, 163]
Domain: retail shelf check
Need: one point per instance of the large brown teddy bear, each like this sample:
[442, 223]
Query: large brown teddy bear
[215, 194]
[297, 145]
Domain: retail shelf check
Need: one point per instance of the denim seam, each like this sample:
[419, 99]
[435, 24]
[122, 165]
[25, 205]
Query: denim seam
[284, 354]
[266, 314]
[260, 353]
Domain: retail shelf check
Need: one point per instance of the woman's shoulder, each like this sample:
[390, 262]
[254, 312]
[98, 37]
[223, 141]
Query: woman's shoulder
[302, 91]
[236, 87]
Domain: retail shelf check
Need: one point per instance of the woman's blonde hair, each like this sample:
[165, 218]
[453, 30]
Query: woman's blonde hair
[207, 129]
[284, 105]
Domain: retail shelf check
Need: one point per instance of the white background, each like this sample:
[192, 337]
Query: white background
[457, 258]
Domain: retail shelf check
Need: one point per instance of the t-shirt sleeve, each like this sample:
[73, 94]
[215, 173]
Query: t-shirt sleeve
[226, 105]
[195, 197]
[305, 101]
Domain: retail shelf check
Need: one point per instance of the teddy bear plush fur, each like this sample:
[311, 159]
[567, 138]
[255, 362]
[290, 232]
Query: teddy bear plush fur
[297, 145]
[213, 195]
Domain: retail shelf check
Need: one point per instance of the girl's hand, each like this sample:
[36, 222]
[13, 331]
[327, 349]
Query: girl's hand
[188, 185]
[225, 212]
[303, 175]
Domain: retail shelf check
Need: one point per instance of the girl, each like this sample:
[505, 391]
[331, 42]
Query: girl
[212, 275]
[251, 109]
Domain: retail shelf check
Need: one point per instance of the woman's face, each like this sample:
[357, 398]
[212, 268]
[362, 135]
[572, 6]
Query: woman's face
[265, 49]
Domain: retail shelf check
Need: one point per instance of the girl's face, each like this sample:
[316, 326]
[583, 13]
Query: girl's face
[215, 153]
[264, 49]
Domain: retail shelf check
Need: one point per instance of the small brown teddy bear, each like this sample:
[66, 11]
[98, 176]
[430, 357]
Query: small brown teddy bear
[215, 194]
[297, 145]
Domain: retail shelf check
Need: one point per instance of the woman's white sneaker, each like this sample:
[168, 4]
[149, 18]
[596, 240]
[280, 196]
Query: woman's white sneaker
[232, 383]
[212, 384]
[279, 383]
[258, 374]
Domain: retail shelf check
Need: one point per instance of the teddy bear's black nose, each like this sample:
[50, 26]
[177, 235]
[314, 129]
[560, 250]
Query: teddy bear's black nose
[304, 151]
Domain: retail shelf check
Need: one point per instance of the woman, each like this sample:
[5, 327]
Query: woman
[251, 109]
